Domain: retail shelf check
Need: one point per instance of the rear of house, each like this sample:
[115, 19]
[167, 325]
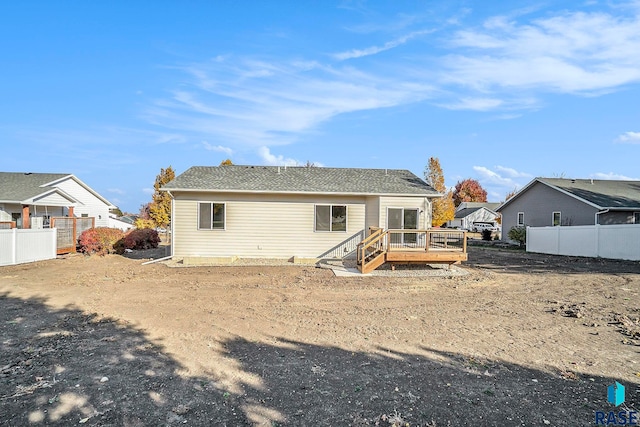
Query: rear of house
[284, 212]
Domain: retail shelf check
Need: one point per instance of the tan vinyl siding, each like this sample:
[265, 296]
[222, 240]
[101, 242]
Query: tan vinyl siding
[264, 226]
[373, 212]
[406, 202]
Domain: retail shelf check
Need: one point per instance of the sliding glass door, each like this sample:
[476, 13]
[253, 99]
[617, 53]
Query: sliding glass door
[402, 219]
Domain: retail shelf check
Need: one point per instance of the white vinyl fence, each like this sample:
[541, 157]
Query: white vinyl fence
[605, 241]
[19, 246]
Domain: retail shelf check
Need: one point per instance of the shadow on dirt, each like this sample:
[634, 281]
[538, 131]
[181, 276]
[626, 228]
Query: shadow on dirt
[62, 367]
[519, 261]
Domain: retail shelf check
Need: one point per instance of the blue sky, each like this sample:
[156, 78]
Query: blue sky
[500, 92]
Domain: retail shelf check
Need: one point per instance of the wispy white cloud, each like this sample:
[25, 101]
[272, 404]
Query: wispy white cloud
[505, 65]
[148, 190]
[116, 191]
[512, 173]
[219, 148]
[476, 104]
[372, 50]
[250, 103]
[275, 160]
[613, 176]
[501, 180]
[492, 177]
[572, 52]
[629, 138]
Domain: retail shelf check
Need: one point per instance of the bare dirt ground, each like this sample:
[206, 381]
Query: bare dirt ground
[521, 339]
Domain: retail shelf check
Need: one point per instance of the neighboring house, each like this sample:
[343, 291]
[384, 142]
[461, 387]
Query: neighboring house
[31, 199]
[564, 202]
[122, 223]
[282, 212]
[469, 212]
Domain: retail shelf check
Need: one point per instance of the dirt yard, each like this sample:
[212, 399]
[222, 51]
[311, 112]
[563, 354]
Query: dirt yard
[520, 339]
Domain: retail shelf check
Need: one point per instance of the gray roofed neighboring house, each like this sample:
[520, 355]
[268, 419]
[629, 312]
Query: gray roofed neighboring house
[21, 187]
[469, 212]
[565, 202]
[43, 195]
[463, 213]
[604, 194]
[472, 205]
[280, 179]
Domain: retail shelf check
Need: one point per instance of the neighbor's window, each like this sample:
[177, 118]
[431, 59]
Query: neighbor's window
[636, 217]
[211, 216]
[331, 218]
[556, 219]
[520, 218]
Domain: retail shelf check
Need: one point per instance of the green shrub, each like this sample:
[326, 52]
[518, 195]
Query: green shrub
[518, 234]
[100, 240]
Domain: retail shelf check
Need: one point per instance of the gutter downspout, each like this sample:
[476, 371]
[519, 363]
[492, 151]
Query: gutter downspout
[171, 228]
[597, 218]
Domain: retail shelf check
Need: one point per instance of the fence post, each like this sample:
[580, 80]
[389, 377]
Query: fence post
[54, 237]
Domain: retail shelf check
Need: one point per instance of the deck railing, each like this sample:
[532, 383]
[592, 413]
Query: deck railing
[427, 240]
[380, 242]
[374, 242]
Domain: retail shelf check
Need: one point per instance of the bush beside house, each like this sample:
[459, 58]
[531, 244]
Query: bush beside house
[103, 240]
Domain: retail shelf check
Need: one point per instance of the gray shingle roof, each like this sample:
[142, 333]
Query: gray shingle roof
[466, 211]
[301, 179]
[602, 193]
[19, 186]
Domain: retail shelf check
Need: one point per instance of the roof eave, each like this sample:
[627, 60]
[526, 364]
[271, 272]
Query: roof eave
[85, 186]
[201, 190]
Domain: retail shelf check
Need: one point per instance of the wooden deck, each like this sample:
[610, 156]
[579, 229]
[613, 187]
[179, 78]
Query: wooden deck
[433, 246]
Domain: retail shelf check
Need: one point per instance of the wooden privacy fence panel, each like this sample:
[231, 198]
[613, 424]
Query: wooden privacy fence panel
[69, 230]
[20, 246]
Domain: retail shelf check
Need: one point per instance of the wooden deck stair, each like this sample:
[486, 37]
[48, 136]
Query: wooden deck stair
[411, 246]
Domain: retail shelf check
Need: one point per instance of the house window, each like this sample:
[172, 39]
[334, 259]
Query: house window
[211, 216]
[520, 218]
[84, 215]
[331, 218]
[556, 219]
[636, 217]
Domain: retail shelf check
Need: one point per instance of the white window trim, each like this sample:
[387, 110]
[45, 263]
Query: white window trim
[518, 223]
[224, 228]
[315, 218]
[559, 220]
